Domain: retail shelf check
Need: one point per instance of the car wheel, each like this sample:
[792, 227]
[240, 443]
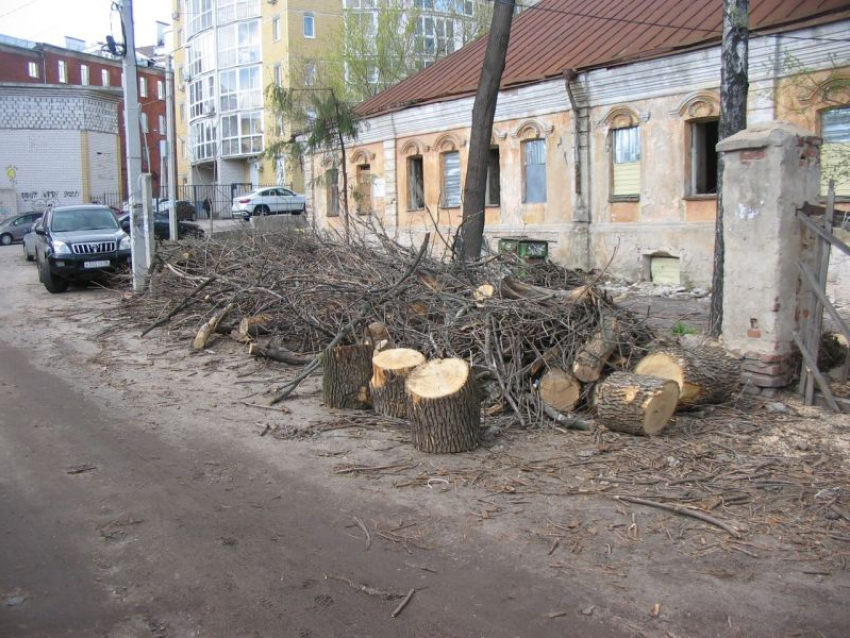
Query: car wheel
[300, 211]
[53, 283]
[261, 210]
[5, 239]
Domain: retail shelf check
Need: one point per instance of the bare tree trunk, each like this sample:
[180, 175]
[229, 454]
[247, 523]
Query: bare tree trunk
[344, 169]
[472, 230]
[734, 85]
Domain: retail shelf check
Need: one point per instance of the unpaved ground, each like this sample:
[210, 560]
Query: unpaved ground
[192, 523]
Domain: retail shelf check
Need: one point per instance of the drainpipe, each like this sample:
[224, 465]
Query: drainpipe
[581, 201]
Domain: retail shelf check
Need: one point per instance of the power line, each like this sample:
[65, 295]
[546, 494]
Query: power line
[16, 9]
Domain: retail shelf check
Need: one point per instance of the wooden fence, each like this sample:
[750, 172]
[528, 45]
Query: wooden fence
[819, 220]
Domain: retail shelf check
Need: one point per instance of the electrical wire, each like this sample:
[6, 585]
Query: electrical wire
[16, 9]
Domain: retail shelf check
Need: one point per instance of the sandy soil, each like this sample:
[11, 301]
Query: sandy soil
[540, 503]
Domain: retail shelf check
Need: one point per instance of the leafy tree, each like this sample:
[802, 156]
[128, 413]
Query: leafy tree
[386, 41]
[318, 122]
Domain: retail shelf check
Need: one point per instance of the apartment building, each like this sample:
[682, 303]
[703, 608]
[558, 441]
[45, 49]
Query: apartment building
[24, 62]
[226, 53]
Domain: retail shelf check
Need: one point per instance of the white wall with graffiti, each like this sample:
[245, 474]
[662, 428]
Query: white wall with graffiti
[58, 145]
[43, 166]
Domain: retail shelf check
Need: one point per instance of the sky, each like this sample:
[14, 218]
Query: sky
[90, 20]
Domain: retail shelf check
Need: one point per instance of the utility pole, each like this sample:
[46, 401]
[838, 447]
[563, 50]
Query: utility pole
[734, 85]
[169, 142]
[139, 223]
[483, 111]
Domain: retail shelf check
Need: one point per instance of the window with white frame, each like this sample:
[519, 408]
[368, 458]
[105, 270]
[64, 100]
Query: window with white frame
[104, 77]
[239, 44]
[434, 36]
[32, 69]
[277, 75]
[143, 87]
[160, 90]
[202, 97]
[309, 25]
[534, 171]
[230, 10]
[182, 110]
[423, 4]
[835, 150]
[276, 29]
[200, 55]
[202, 140]
[451, 179]
[85, 78]
[240, 90]
[63, 71]
[242, 134]
[625, 158]
[143, 119]
[360, 4]
[309, 74]
[162, 124]
[199, 15]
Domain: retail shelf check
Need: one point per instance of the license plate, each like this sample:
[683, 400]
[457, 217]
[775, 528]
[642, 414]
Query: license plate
[96, 264]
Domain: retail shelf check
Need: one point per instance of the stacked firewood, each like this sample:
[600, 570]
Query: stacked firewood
[538, 342]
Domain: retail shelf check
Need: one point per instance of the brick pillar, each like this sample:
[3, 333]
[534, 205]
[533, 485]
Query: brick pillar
[771, 169]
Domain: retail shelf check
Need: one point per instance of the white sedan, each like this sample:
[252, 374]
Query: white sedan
[268, 201]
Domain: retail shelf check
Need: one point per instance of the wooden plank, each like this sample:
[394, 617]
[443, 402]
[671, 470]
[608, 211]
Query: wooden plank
[827, 304]
[832, 239]
[819, 378]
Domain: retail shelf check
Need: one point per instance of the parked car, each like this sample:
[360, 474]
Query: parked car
[161, 228]
[268, 201]
[185, 210]
[29, 241]
[79, 243]
[15, 227]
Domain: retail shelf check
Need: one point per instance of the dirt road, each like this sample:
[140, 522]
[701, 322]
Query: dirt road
[138, 498]
[118, 521]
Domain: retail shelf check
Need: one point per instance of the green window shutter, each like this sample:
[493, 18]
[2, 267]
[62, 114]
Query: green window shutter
[627, 179]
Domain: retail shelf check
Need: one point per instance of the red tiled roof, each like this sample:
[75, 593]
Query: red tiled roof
[555, 35]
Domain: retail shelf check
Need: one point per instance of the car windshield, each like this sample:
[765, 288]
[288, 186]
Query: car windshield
[84, 219]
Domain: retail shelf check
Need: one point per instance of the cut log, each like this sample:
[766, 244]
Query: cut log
[636, 404]
[377, 335]
[559, 390]
[208, 329]
[483, 292]
[390, 369]
[250, 327]
[346, 371]
[281, 355]
[591, 359]
[443, 407]
[705, 374]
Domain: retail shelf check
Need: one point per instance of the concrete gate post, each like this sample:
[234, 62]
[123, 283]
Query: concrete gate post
[771, 169]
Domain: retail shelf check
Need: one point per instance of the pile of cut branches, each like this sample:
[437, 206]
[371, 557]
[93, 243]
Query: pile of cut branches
[292, 295]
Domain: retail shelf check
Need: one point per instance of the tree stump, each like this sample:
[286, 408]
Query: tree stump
[705, 374]
[346, 371]
[589, 361]
[636, 404]
[390, 369]
[443, 407]
[559, 390]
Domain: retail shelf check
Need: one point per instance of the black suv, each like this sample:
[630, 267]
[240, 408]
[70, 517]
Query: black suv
[79, 243]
